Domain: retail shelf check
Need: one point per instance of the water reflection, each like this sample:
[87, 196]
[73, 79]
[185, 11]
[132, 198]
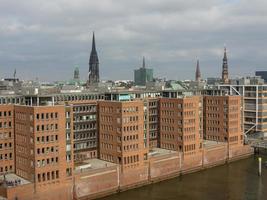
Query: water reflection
[238, 180]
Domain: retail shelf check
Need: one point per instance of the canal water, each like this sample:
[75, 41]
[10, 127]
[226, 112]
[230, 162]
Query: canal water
[234, 181]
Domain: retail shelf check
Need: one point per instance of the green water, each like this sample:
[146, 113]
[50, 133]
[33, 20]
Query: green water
[238, 180]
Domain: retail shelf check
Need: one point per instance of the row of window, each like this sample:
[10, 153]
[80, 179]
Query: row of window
[104, 145]
[52, 115]
[109, 109]
[48, 176]
[6, 124]
[153, 135]
[179, 105]
[46, 150]
[85, 145]
[78, 97]
[130, 128]
[107, 157]
[131, 159]
[6, 156]
[46, 139]
[47, 127]
[82, 118]
[167, 146]
[81, 157]
[5, 135]
[190, 147]
[214, 137]
[106, 136]
[130, 119]
[88, 126]
[153, 126]
[5, 113]
[82, 136]
[169, 112]
[5, 145]
[11, 100]
[48, 161]
[91, 108]
[130, 137]
[131, 147]
[106, 127]
[6, 168]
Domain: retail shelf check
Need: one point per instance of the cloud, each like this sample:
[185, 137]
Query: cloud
[39, 37]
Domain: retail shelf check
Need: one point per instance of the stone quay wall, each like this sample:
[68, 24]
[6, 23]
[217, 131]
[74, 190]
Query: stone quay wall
[96, 183]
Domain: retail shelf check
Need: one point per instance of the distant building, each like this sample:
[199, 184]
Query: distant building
[262, 74]
[76, 74]
[249, 80]
[143, 75]
[213, 81]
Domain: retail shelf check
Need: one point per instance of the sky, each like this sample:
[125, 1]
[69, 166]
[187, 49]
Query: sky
[45, 40]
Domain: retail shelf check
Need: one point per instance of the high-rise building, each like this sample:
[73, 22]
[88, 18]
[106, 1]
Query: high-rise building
[76, 75]
[93, 65]
[143, 75]
[225, 78]
[262, 74]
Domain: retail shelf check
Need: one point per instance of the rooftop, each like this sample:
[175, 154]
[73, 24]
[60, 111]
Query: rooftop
[92, 164]
[12, 180]
[211, 144]
[159, 152]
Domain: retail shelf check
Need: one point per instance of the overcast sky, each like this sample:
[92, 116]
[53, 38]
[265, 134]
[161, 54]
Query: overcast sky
[47, 39]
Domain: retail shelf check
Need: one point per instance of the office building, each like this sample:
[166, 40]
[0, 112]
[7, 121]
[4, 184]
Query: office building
[143, 75]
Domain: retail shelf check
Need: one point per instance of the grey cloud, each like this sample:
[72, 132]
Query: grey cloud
[38, 37]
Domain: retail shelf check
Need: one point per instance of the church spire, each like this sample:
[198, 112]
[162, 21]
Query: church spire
[93, 64]
[225, 78]
[198, 74]
[93, 43]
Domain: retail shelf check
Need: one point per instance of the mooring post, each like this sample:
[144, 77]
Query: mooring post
[259, 166]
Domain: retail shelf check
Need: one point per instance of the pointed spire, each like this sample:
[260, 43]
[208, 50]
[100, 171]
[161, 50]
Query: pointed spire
[225, 53]
[144, 62]
[93, 43]
[225, 75]
[198, 74]
[93, 75]
[93, 55]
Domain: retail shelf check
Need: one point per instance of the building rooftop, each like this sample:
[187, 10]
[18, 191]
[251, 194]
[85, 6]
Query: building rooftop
[159, 152]
[93, 164]
[12, 180]
[211, 144]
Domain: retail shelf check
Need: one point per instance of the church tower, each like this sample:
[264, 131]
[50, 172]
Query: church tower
[93, 76]
[198, 74]
[225, 78]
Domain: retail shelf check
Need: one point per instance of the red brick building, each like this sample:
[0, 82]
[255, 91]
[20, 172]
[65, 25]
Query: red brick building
[7, 158]
[41, 145]
[181, 124]
[121, 129]
[223, 119]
